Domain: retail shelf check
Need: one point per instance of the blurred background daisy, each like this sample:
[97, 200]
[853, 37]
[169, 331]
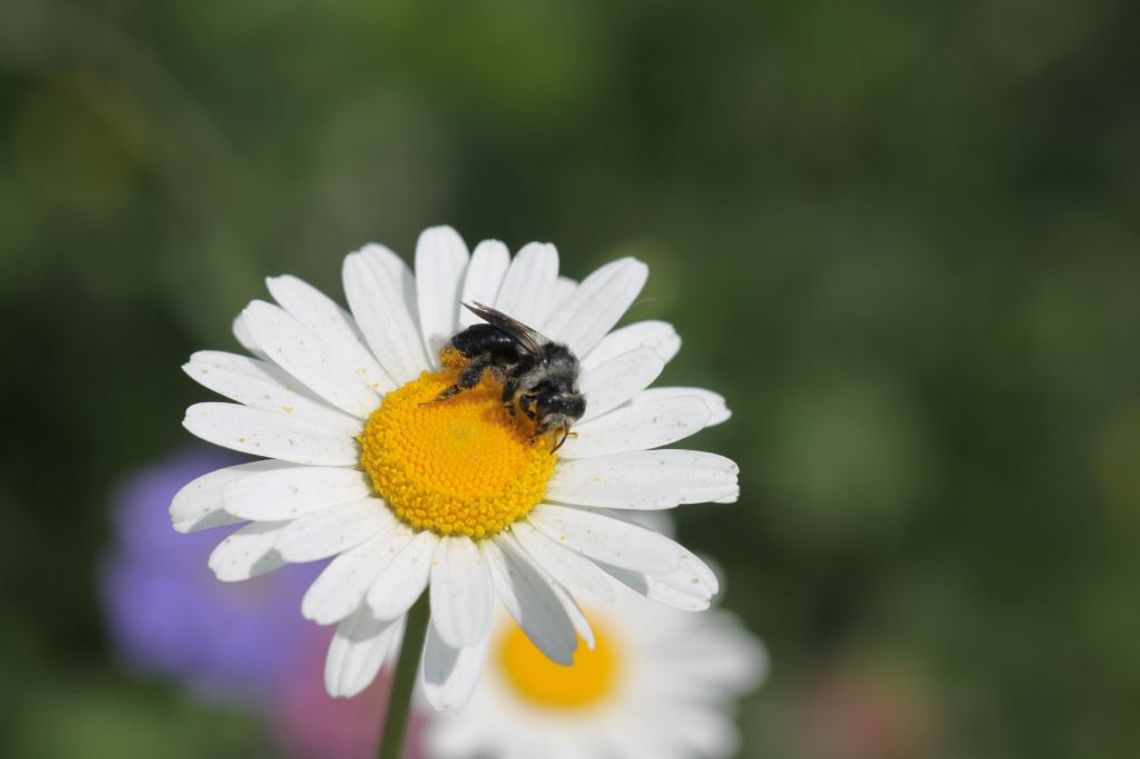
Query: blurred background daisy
[902, 240]
[657, 683]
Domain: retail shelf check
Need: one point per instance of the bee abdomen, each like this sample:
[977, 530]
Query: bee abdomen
[480, 340]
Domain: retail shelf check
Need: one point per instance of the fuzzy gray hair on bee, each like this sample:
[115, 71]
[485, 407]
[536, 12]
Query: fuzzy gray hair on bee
[539, 376]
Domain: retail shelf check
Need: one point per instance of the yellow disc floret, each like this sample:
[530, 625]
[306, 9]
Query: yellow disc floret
[532, 676]
[461, 466]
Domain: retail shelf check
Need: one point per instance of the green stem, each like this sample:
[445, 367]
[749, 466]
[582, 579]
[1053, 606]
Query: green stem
[404, 682]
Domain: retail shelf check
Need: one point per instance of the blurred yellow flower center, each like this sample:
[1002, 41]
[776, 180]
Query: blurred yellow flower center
[461, 466]
[584, 683]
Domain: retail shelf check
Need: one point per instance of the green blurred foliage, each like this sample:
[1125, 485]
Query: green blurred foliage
[902, 238]
[108, 720]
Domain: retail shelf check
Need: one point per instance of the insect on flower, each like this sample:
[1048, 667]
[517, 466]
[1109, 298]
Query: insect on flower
[539, 376]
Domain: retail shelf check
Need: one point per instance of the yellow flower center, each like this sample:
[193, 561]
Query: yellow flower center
[535, 678]
[461, 466]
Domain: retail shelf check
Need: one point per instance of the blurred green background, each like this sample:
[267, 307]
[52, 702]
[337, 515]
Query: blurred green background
[903, 239]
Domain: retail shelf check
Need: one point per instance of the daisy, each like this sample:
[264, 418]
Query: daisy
[657, 684]
[452, 498]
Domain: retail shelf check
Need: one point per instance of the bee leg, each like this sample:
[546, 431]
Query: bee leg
[566, 435]
[510, 387]
[468, 378]
[563, 433]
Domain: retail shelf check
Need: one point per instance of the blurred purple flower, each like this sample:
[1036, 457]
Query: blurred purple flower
[167, 614]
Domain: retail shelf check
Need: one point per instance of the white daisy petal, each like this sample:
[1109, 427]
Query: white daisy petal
[288, 492]
[658, 335]
[577, 618]
[263, 385]
[607, 539]
[651, 424]
[398, 638]
[530, 599]
[441, 260]
[638, 582]
[658, 521]
[489, 264]
[530, 747]
[693, 578]
[580, 576]
[404, 578]
[689, 587]
[376, 283]
[597, 304]
[199, 505]
[248, 552]
[638, 744]
[718, 409]
[564, 288]
[333, 529]
[263, 433]
[725, 656]
[357, 652]
[645, 480]
[613, 382]
[299, 351]
[245, 339]
[341, 587]
[707, 733]
[569, 605]
[450, 674]
[529, 284]
[462, 598]
[459, 739]
[215, 518]
[319, 313]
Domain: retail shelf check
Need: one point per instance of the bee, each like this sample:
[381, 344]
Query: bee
[539, 376]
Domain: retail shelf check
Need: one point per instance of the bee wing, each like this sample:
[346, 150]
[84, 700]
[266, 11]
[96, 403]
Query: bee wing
[530, 339]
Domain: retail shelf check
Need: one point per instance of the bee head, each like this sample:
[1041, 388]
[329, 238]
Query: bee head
[556, 414]
[569, 406]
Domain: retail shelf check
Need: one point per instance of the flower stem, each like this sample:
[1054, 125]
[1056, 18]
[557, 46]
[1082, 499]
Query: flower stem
[404, 682]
